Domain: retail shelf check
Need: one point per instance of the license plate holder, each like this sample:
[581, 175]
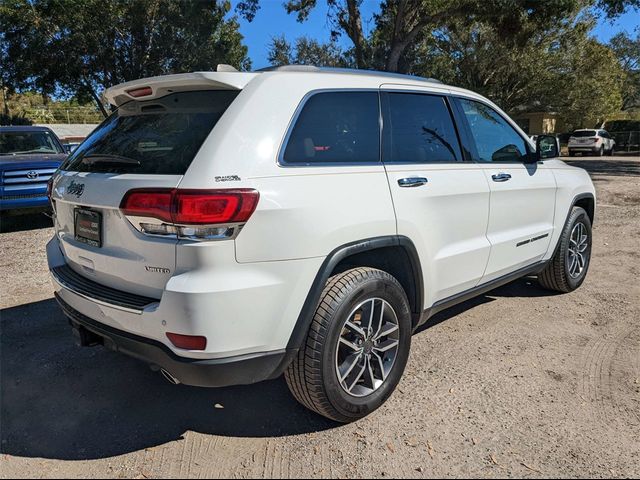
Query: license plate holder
[88, 227]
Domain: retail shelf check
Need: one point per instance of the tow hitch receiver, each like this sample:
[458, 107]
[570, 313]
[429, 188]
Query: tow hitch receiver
[85, 338]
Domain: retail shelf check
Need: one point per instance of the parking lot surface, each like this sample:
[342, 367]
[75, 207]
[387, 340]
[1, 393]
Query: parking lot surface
[519, 382]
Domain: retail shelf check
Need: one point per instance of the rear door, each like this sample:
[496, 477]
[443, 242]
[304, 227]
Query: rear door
[522, 205]
[441, 200]
[144, 144]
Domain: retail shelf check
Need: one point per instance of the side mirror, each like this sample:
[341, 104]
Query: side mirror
[547, 147]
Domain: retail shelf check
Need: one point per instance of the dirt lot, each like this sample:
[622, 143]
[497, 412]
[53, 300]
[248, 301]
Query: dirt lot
[517, 383]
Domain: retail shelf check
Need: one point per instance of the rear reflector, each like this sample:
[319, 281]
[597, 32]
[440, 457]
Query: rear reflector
[187, 342]
[140, 92]
[191, 207]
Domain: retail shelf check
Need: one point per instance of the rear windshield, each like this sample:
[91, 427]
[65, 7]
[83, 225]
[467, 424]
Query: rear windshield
[25, 142]
[584, 133]
[160, 136]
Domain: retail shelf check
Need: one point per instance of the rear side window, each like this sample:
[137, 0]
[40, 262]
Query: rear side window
[418, 129]
[495, 139]
[336, 127]
[159, 136]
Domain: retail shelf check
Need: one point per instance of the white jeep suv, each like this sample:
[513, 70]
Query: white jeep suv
[228, 228]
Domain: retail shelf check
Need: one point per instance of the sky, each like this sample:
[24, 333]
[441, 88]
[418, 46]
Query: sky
[272, 20]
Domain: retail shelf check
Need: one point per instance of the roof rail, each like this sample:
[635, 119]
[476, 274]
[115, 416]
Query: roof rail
[348, 71]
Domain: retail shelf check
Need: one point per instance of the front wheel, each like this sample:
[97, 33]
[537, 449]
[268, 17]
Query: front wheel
[357, 346]
[568, 267]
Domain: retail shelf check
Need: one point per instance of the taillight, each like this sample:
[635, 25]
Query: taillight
[148, 203]
[194, 214]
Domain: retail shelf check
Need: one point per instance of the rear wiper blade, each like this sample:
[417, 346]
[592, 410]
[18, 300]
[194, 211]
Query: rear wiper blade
[110, 160]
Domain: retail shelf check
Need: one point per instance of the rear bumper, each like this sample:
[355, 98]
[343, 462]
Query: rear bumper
[220, 372]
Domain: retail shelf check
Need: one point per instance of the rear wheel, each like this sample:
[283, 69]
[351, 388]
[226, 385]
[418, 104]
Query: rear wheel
[357, 346]
[568, 267]
[572, 153]
[601, 151]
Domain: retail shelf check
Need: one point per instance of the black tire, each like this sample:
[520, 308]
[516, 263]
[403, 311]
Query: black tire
[572, 153]
[556, 275]
[312, 377]
[601, 151]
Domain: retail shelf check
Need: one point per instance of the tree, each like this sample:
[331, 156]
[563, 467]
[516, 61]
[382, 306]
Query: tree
[80, 47]
[306, 52]
[627, 50]
[406, 22]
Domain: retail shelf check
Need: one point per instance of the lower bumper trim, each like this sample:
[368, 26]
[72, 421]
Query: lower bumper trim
[220, 372]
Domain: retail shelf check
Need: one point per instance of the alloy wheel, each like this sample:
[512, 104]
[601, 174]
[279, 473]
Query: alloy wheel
[577, 252]
[367, 347]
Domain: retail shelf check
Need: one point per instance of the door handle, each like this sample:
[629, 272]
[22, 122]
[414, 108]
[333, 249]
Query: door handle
[412, 182]
[501, 177]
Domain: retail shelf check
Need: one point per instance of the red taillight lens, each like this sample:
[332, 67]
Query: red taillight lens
[188, 342]
[212, 207]
[148, 203]
[191, 207]
[140, 92]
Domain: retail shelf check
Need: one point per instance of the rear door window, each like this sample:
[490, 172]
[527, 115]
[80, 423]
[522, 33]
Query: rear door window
[160, 136]
[418, 128]
[336, 127]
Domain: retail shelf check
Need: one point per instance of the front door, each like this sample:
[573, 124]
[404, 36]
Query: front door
[522, 204]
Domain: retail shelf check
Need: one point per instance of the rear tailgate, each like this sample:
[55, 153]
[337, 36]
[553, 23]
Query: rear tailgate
[144, 144]
[123, 258]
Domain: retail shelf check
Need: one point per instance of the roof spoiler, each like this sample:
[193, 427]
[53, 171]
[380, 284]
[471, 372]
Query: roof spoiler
[225, 78]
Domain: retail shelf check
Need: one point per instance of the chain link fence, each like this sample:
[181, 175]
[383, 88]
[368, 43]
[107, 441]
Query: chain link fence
[63, 114]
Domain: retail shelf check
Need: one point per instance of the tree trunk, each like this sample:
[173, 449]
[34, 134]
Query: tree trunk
[96, 98]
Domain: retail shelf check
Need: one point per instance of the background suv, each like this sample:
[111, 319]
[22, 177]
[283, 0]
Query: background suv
[28, 157]
[595, 142]
[230, 227]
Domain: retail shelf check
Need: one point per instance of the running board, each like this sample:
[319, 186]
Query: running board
[453, 300]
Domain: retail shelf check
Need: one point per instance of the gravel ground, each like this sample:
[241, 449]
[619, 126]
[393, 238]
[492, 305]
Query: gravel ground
[516, 383]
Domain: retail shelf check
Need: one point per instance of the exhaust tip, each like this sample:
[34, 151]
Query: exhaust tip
[170, 378]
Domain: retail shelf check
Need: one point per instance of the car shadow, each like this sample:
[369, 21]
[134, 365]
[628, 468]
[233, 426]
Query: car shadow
[60, 401]
[526, 287]
[616, 168]
[21, 223]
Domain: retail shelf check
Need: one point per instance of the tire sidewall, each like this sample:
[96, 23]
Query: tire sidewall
[357, 407]
[579, 216]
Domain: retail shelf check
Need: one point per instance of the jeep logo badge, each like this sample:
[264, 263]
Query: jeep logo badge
[76, 189]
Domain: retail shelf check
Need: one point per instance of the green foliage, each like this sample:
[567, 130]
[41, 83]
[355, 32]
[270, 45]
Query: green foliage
[306, 52]
[79, 47]
[14, 120]
[627, 50]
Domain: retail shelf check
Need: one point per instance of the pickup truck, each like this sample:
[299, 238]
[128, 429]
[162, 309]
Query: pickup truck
[28, 158]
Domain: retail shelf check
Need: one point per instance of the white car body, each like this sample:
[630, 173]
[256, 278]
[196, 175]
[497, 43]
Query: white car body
[249, 295]
[591, 141]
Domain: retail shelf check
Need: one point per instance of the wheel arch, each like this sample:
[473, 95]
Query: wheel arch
[395, 254]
